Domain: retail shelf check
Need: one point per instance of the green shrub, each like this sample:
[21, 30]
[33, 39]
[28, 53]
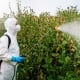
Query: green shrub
[50, 55]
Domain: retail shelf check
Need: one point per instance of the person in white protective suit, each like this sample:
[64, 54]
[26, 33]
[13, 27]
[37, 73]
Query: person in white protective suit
[9, 56]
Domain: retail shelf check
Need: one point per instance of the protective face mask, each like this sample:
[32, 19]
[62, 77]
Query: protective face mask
[18, 28]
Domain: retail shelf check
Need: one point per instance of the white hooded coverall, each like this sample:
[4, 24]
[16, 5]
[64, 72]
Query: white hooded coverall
[7, 66]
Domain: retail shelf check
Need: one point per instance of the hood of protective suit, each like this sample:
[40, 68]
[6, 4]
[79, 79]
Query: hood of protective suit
[11, 25]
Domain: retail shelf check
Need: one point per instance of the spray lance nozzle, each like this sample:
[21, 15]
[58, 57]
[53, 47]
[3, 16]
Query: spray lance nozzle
[56, 28]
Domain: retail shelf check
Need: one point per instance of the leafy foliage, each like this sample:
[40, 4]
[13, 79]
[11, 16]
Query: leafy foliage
[50, 55]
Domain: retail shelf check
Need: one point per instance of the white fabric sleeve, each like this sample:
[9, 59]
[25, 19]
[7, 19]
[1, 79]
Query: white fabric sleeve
[4, 52]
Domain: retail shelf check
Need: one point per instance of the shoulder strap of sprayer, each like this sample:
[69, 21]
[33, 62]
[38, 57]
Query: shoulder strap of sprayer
[9, 42]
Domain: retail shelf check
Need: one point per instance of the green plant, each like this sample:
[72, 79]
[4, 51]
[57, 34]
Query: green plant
[50, 55]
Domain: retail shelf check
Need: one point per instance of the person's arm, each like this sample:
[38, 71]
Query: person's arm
[5, 55]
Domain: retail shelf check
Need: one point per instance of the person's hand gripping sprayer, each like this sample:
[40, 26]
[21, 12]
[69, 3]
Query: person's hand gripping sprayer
[19, 59]
[9, 50]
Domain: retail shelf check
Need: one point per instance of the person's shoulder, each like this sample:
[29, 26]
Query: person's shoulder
[3, 38]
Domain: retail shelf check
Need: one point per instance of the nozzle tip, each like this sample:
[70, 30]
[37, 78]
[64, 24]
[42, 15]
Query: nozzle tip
[56, 28]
